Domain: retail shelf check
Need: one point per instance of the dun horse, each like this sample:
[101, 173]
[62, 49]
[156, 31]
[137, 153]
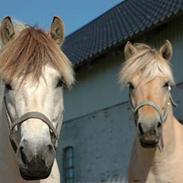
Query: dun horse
[157, 154]
[33, 70]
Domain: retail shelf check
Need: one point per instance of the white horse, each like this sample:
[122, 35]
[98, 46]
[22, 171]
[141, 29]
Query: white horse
[33, 71]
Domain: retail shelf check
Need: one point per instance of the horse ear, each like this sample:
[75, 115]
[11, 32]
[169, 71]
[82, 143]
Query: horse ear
[129, 50]
[57, 30]
[166, 50]
[7, 30]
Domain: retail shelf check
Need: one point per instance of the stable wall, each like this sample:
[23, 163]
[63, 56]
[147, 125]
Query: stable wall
[98, 122]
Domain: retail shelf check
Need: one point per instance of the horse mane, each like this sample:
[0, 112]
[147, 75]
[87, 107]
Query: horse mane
[28, 53]
[148, 63]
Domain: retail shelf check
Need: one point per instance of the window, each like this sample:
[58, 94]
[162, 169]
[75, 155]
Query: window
[68, 164]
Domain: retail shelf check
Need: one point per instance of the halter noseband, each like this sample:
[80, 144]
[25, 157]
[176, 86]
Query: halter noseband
[163, 115]
[22, 119]
[153, 105]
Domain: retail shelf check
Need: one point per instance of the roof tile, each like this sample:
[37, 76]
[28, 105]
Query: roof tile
[127, 19]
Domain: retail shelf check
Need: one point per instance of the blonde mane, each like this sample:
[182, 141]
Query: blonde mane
[28, 53]
[148, 63]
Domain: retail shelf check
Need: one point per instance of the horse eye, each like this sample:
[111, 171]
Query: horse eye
[60, 83]
[131, 86]
[8, 87]
[166, 85]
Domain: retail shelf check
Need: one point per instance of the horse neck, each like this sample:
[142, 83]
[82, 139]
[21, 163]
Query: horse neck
[6, 152]
[4, 135]
[3, 121]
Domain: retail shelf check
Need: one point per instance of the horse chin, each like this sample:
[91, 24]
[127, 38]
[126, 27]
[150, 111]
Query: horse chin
[34, 175]
[36, 169]
[150, 143]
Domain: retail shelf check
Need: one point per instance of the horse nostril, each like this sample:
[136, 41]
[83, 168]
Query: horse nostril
[140, 129]
[23, 156]
[159, 125]
[50, 148]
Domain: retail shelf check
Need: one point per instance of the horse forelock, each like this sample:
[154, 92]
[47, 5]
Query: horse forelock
[28, 53]
[148, 63]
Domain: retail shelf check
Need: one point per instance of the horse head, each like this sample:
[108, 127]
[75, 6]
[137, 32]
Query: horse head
[34, 71]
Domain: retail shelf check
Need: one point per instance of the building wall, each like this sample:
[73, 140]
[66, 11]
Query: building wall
[99, 140]
[98, 121]
[100, 83]
[96, 88]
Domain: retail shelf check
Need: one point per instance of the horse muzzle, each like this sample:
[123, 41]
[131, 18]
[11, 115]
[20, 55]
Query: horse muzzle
[35, 170]
[37, 164]
[149, 127]
[149, 140]
[151, 137]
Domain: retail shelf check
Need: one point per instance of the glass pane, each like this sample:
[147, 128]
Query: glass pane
[69, 181]
[69, 152]
[69, 173]
[68, 165]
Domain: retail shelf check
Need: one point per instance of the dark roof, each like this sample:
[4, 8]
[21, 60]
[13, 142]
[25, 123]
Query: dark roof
[123, 21]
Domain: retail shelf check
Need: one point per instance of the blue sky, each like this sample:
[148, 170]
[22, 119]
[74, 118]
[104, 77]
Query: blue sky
[75, 13]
